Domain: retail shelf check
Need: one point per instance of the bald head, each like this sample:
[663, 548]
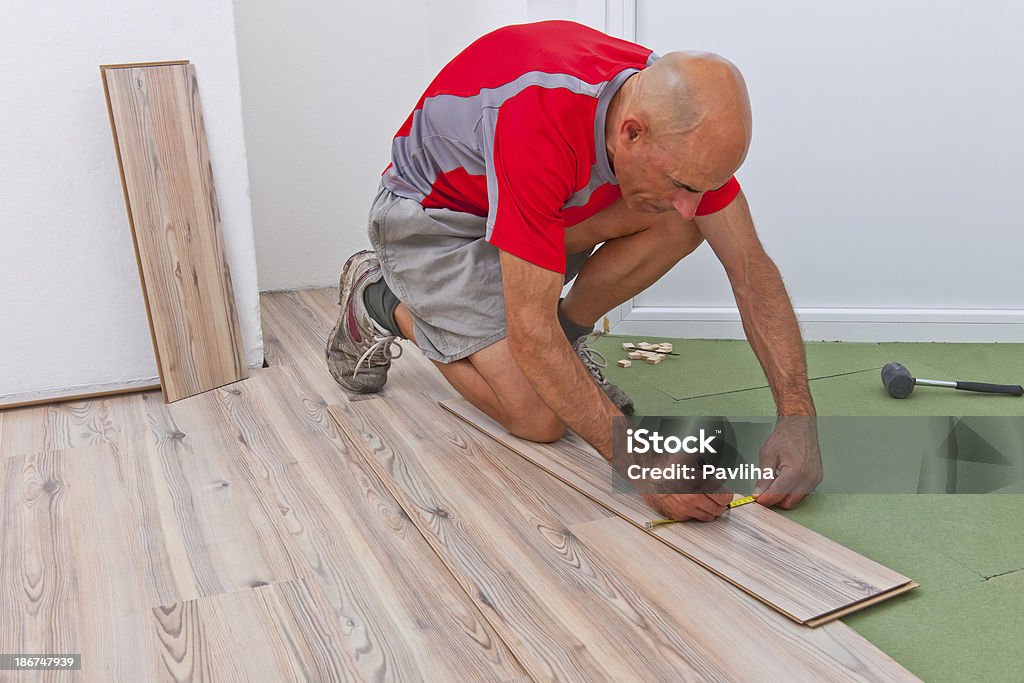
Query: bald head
[695, 92]
[683, 122]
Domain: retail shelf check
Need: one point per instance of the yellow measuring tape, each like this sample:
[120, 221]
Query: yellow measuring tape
[734, 504]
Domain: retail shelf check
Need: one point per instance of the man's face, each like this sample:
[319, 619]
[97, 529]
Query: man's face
[669, 174]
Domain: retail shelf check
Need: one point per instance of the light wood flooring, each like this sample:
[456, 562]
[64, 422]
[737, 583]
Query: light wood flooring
[274, 530]
[160, 140]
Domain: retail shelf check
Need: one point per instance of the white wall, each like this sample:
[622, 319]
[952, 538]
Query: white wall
[324, 88]
[884, 172]
[72, 317]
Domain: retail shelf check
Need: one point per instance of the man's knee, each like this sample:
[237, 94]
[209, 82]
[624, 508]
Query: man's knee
[543, 429]
[676, 233]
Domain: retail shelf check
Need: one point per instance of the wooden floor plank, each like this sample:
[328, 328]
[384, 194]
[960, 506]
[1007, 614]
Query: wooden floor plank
[379, 539]
[55, 426]
[22, 431]
[38, 583]
[296, 336]
[124, 562]
[228, 520]
[161, 148]
[802, 574]
[508, 535]
[403, 615]
[512, 556]
[300, 332]
[280, 632]
[296, 327]
[69, 575]
[747, 639]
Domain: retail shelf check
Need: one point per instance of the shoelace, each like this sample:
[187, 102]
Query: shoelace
[593, 360]
[382, 348]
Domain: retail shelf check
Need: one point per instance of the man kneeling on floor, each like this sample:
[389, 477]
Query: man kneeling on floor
[534, 145]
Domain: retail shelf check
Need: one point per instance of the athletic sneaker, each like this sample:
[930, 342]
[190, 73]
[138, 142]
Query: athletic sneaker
[359, 350]
[593, 361]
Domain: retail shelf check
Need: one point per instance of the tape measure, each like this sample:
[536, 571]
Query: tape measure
[741, 501]
[734, 504]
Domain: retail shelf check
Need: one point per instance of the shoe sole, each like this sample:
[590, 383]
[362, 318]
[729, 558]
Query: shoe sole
[344, 290]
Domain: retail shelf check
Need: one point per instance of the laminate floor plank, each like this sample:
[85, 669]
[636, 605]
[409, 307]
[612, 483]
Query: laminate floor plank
[22, 430]
[302, 332]
[296, 327]
[403, 616]
[296, 336]
[280, 632]
[55, 426]
[38, 583]
[514, 560]
[804, 575]
[70, 576]
[229, 522]
[510, 545]
[748, 640]
[324, 301]
[160, 140]
[413, 372]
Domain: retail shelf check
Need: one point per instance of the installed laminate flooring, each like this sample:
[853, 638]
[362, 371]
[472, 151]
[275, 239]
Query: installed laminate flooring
[197, 504]
[54, 426]
[279, 632]
[161, 148]
[274, 530]
[404, 616]
[510, 538]
[804, 575]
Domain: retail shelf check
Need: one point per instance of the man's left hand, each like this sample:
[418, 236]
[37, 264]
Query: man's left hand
[792, 451]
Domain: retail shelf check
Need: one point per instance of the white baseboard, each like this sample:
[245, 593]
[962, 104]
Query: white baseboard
[84, 391]
[830, 324]
[81, 391]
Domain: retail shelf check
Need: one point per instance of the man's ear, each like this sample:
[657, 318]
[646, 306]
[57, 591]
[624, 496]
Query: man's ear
[632, 130]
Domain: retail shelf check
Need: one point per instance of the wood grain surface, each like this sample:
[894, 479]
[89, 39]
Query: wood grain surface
[161, 148]
[38, 583]
[296, 326]
[279, 632]
[501, 536]
[803, 574]
[403, 616]
[509, 536]
[63, 587]
[255, 532]
[296, 335]
[748, 640]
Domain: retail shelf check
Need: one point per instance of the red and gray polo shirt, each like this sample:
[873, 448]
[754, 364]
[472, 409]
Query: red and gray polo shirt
[513, 129]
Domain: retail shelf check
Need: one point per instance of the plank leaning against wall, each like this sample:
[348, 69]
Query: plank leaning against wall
[160, 141]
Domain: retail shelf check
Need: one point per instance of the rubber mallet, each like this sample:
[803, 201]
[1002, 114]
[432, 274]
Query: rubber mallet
[900, 383]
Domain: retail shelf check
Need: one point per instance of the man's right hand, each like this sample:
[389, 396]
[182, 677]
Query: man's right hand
[704, 507]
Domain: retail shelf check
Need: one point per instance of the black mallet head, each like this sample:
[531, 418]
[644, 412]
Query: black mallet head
[897, 380]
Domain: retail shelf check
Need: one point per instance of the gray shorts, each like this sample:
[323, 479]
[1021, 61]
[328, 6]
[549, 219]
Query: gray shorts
[439, 265]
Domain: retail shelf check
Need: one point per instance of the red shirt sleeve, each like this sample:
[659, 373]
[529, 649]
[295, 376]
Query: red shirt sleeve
[716, 200]
[537, 166]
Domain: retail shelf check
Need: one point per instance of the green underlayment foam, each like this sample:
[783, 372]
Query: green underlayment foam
[966, 621]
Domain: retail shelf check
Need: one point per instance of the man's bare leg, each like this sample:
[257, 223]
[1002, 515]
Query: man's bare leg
[639, 248]
[491, 381]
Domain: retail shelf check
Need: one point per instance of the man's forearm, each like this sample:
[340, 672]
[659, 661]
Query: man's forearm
[771, 327]
[548, 361]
